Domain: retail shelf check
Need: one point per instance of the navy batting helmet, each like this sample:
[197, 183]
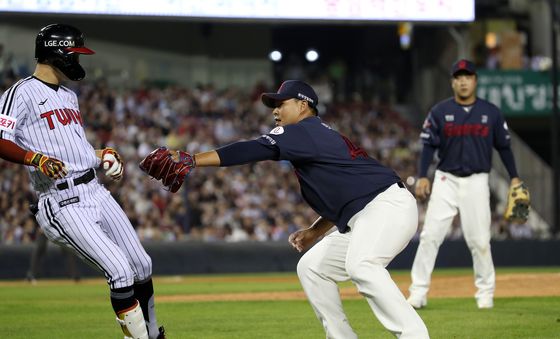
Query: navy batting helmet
[60, 46]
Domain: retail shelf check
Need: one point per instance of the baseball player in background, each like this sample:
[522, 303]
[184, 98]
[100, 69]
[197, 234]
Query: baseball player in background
[374, 214]
[41, 127]
[463, 129]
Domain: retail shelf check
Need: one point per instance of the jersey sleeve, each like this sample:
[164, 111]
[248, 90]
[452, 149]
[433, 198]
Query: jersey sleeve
[430, 130]
[292, 141]
[502, 143]
[12, 113]
[244, 152]
[502, 139]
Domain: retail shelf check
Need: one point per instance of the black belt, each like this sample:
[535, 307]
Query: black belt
[84, 179]
[462, 175]
[401, 184]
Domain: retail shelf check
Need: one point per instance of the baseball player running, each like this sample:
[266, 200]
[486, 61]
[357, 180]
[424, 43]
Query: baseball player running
[41, 127]
[463, 129]
[375, 215]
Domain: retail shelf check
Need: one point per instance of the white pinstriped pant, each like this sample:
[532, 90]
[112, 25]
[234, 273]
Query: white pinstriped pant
[97, 229]
[378, 233]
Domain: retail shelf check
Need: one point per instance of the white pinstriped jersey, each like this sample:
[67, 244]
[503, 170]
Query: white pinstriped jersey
[84, 216]
[43, 119]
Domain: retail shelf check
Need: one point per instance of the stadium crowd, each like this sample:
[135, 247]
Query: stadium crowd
[260, 202]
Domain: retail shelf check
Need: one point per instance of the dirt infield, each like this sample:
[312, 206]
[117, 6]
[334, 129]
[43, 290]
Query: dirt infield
[508, 285]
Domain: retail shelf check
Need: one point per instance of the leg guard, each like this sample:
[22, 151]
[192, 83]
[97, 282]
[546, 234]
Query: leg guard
[132, 323]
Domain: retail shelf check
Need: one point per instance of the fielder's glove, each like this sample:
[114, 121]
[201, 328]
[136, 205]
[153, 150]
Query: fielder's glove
[519, 200]
[172, 167]
[51, 167]
[112, 163]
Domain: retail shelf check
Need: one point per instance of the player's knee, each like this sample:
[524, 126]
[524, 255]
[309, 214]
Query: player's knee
[303, 266]
[308, 267]
[357, 268]
[353, 268]
[143, 268]
[357, 265]
[123, 278]
[353, 271]
[430, 239]
[479, 245]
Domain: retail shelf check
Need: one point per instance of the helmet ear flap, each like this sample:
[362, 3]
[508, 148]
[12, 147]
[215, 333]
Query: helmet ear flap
[73, 70]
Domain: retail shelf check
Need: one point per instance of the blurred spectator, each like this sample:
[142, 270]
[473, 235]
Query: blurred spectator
[520, 231]
[9, 69]
[234, 204]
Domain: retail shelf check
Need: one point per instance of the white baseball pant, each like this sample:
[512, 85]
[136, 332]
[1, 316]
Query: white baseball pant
[470, 196]
[89, 221]
[378, 233]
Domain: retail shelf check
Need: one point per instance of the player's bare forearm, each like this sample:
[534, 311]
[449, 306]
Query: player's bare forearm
[321, 226]
[206, 159]
[515, 181]
[303, 239]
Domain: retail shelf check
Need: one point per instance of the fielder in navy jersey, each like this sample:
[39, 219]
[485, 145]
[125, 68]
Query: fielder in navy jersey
[463, 130]
[374, 214]
[41, 126]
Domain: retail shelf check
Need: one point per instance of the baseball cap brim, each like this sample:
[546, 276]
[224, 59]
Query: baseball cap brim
[272, 99]
[80, 50]
[464, 71]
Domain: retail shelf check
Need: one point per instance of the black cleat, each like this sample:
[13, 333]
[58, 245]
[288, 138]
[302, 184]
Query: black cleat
[31, 279]
[161, 334]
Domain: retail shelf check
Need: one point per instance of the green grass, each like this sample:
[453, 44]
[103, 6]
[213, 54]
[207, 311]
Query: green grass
[67, 310]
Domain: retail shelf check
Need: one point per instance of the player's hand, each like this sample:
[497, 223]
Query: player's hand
[303, 239]
[515, 181]
[423, 188]
[179, 156]
[112, 163]
[174, 155]
[51, 167]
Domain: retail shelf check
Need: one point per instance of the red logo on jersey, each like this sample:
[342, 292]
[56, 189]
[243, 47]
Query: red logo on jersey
[7, 123]
[354, 150]
[453, 130]
[63, 116]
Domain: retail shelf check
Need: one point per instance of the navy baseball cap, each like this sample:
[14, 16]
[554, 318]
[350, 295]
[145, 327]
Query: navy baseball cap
[291, 89]
[463, 65]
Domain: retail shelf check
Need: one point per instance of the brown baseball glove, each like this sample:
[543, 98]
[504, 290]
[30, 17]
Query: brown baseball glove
[172, 171]
[519, 200]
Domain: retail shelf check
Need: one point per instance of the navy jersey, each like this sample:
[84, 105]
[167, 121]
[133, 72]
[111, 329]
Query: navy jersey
[465, 135]
[337, 178]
